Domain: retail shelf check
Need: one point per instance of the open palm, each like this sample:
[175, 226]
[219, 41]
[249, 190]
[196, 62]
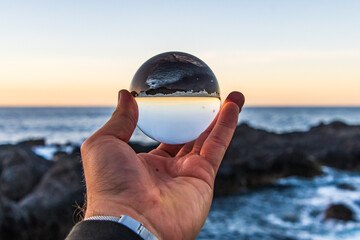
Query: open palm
[169, 189]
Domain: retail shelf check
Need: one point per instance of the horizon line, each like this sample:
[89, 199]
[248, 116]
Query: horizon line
[113, 106]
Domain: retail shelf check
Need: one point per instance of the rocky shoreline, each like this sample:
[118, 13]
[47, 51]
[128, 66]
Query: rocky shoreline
[39, 198]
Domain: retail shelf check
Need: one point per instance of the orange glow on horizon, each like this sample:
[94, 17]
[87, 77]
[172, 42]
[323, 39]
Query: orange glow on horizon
[291, 79]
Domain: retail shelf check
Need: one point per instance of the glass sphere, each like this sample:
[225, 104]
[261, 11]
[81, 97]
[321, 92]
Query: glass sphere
[178, 97]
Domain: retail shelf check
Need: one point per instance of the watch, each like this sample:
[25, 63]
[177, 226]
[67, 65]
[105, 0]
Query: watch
[129, 222]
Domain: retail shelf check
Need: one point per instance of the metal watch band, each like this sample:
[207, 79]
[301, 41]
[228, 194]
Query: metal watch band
[128, 222]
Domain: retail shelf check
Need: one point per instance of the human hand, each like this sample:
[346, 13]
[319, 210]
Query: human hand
[169, 189]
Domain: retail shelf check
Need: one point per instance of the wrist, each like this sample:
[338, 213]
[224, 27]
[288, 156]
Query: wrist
[128, 222]
[117, 212]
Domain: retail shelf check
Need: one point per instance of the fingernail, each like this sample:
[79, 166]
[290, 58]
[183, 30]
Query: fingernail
[237, 98]
[121, 96]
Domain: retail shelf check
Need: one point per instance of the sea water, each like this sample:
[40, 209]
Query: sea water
[290, 209]
[59, 125]
[176, 120]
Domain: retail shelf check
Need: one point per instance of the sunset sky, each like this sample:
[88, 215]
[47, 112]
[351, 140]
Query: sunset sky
[80, 53]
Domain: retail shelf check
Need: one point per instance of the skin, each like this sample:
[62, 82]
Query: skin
[169, 189]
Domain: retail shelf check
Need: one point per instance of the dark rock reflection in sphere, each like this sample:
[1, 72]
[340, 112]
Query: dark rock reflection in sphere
[178, 97]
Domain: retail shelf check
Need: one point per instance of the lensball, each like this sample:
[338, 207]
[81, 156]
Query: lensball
[178, 97]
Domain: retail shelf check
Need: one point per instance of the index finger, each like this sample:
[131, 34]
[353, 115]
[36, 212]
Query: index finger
[235, 97]
[215, 145]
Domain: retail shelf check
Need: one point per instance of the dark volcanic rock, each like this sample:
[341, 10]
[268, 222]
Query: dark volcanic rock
[342, 159]
[339, 212]
[59, 155]
[21, 170]
[232, 177]
[51, 206]
[12, 220]
[296, 164]
[33, 142]
[256, 157]
[48, 211]
[54, 192]
[346, 186]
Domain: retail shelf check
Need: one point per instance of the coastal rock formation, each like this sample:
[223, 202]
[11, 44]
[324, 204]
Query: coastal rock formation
[48, 210]
[233, 177]
[60, 192]
[257, 157]
[339, 212]
[32, 142]
[345, 186]
[21, 170]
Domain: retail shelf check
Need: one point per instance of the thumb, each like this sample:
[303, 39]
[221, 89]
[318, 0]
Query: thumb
[124, 119]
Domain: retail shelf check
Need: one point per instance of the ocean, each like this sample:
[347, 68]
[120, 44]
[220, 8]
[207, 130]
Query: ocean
[290, 209]
[74, 125]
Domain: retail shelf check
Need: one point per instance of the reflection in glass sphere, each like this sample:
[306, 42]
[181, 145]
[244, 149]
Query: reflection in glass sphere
[178, 97]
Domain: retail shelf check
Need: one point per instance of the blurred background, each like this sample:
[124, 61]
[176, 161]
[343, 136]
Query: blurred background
[297, 62]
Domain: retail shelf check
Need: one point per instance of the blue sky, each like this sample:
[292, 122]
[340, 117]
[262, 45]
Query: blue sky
[113, 38]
